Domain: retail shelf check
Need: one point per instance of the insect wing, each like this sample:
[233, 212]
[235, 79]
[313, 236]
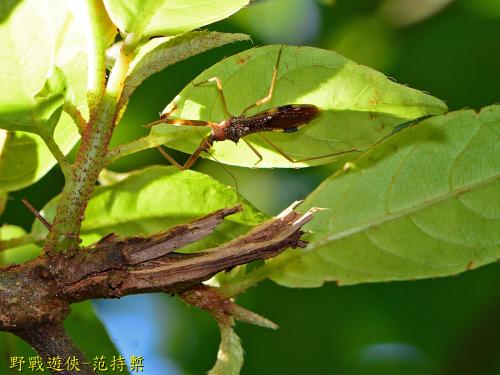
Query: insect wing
[288, 118]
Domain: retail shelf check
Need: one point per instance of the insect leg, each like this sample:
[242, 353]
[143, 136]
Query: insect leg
[179, 121]
[204, 145]
[221, 93]
[291, 160]
[254, 150]
[269, 96]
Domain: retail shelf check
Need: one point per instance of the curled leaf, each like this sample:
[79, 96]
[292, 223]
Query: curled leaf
[230, 355]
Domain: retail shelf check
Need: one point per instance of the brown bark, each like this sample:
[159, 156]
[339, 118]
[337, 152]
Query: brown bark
[35, 297]
[114, 275]
[51, 341]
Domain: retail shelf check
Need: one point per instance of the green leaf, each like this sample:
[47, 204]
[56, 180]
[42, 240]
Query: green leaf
[422, 204]
[18, 254]
[24, 43]
[230, 355]
[359, 105]
[108, 177]
[50, 100]
[34, 37]
[33, 89]
[159, 53]
[148, 18]
[25, 158]
[157, 198]
[99, 34]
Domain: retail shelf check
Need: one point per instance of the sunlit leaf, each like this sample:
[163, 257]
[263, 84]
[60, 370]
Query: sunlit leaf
[33, 89]
[19, 254]
[168, 17]
[159, 53]
[359, 105]
[425, 203]
[25, 158]
[42, 114]
[157, 198]
[108, 177]
[35, 37]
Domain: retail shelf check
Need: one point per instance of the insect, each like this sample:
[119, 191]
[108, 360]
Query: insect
[287, 118]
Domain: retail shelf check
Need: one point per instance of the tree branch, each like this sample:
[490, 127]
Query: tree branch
[65, 233]
[35, 300]
[161, 269]
[51, 340]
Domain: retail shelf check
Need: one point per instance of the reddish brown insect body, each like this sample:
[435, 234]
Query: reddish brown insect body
[287, 119]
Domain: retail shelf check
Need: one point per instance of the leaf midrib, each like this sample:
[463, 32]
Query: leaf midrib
[403, 212]
[278, 264]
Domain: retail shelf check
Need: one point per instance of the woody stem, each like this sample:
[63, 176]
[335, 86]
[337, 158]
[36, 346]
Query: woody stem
[65, 233]
[50, 340]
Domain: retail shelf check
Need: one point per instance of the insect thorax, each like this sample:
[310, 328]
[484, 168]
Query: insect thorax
[233, 129]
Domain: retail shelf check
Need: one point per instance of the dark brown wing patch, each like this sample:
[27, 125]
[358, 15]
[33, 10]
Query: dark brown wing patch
[287, 118]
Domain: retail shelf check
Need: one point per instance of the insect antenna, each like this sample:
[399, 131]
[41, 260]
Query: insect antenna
[151, 124]
[243, 212]
[227, 170]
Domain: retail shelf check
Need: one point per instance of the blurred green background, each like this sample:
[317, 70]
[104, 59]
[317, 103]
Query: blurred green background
[450, 49]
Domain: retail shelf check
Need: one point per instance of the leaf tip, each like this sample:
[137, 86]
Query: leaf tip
[250, 317]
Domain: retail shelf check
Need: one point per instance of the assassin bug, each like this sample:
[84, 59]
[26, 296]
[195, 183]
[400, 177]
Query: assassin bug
[288, 119]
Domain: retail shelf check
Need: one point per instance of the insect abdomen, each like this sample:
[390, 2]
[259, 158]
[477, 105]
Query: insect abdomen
[289, 117]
